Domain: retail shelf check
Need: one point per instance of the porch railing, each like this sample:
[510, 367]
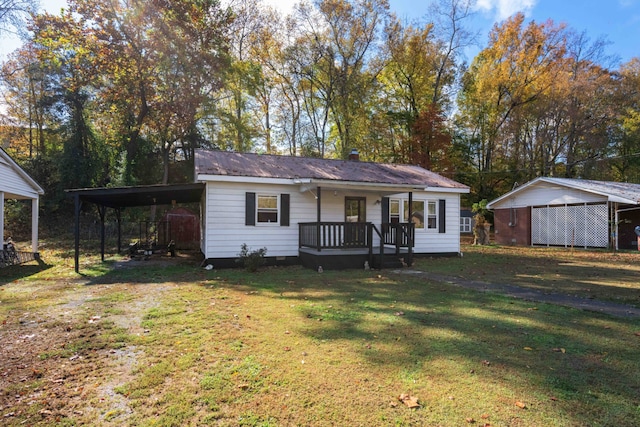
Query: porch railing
[334, 235]
[342, 235]
[399, 234]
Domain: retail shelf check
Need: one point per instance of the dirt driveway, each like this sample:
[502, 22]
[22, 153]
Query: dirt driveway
[58, 340]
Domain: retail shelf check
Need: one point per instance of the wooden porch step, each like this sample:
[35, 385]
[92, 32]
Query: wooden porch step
[388, 261]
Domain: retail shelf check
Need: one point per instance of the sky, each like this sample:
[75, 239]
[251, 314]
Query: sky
[618, 21]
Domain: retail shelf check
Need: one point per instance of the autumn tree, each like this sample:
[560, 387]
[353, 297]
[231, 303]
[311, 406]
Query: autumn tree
[626, 161]
[149, 65]
[71, 78]
[519, 66]
[27, 121]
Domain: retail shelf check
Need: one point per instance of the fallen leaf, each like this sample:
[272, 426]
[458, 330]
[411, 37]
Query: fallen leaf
[528, 348]
[410, 401]
[521, 405]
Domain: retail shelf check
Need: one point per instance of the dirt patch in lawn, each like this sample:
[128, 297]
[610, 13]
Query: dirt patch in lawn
[53, 359]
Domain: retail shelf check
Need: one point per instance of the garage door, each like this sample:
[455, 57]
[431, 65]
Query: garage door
[570, 225]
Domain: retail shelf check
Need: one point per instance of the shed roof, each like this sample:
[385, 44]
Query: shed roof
[619, 192]
[224, 163]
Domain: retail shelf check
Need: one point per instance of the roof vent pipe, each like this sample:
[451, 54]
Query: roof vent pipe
[354, 156]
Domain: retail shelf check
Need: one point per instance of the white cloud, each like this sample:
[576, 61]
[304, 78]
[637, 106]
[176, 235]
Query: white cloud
[284, 6]
[505, 8]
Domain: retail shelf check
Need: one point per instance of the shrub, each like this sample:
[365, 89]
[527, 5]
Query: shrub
[251, 260]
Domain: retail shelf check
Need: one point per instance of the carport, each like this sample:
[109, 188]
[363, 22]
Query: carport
[118, 198]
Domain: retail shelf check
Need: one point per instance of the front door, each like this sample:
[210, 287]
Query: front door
[355, 214]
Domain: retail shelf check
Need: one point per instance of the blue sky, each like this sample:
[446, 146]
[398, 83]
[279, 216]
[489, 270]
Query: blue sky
[616, 20]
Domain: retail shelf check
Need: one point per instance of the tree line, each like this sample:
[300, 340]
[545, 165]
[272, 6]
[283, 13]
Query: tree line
[112, 92]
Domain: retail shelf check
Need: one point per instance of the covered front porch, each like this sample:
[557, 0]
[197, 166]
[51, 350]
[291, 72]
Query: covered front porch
[357, 241]
[339, 245]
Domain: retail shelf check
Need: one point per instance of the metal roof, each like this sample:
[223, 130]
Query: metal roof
[143, 195]
[224, 163]
[619, 192]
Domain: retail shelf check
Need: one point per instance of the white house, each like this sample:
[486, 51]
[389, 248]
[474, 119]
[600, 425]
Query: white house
[568, 212]
[15, 183]
[330, 213]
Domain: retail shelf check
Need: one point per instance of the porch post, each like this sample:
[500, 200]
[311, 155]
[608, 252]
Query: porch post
[318, 215]
[410, 252]
[34, 226]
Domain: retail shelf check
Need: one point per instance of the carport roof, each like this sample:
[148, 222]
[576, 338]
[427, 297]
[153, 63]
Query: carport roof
[143, 195]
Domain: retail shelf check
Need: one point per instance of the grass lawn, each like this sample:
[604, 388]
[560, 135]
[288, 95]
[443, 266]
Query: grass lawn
[165, 343]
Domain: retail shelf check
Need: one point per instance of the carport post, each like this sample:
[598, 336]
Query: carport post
[118, 219]
[78, 205]
[101, 210]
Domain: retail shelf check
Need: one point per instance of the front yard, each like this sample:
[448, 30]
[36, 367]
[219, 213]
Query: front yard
[165, 343]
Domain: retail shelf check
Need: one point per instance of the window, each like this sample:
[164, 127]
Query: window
[432, 215]
[418, 210]
[394, 211]
[267, 211]
[465, 225]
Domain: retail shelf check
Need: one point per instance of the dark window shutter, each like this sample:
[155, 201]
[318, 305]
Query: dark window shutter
[442, 220]
[250, 209]
[385, 210]
[284, 210]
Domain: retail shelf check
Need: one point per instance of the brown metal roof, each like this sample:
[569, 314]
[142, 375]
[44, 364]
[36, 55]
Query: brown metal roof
[208, 162]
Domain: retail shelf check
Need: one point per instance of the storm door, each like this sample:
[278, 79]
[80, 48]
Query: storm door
[355, 229]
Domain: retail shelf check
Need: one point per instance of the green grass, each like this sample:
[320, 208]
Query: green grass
[289, 346]
[596, 274]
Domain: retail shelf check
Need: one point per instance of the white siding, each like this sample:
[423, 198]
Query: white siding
[544, 194]
[224, 228]
[224, 224]
[13, 184]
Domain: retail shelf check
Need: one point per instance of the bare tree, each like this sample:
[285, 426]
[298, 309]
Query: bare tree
[13, 13]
